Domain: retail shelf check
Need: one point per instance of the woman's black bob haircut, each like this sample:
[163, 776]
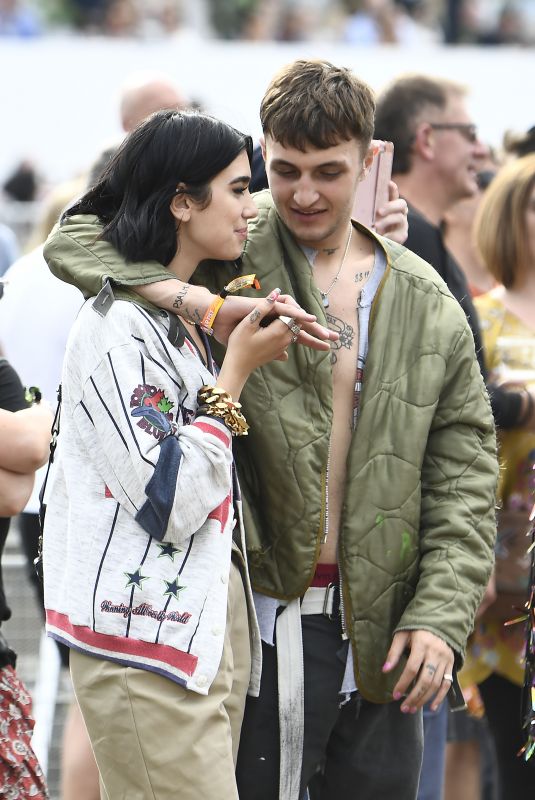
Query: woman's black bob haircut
[133, 194]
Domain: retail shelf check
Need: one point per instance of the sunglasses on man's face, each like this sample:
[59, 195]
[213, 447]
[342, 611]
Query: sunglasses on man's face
[466, 129]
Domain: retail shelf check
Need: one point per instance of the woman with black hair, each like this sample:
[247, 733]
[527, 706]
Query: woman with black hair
[144, 570]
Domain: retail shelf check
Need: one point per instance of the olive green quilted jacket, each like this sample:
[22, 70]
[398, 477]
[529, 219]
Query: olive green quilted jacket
[418, 527]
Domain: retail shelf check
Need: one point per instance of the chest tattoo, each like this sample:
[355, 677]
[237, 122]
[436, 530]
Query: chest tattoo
[362, 276]
[346, 333]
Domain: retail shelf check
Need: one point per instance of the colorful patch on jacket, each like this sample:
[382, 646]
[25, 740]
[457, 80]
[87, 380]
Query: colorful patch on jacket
[153, 410]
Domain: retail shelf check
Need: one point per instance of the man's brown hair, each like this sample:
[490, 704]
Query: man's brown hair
[314, 103]
[403, 105]
[500, 224]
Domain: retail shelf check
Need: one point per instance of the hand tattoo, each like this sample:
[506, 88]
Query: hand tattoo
[254, 316]
[431, 669]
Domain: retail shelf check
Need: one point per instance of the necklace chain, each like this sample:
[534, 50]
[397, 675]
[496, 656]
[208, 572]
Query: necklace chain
[325, 294]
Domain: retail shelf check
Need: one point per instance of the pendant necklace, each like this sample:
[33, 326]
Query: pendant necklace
[325, 294]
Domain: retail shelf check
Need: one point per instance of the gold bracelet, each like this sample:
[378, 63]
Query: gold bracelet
[216, 402]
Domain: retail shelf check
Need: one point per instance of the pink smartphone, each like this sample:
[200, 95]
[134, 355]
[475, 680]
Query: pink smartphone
[372, 191]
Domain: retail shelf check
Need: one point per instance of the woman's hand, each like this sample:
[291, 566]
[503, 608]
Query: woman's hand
[252, 344]
[235, 309]
[391, 219]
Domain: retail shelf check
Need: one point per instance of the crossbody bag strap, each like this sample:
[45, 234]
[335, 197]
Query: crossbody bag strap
[38, 561]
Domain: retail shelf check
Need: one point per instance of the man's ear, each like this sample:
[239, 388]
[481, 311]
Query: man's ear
[424, 141]
[262, 142]
[181, 205]
[368, 159]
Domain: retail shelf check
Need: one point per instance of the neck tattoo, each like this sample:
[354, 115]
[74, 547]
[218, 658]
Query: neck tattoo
[324, 295]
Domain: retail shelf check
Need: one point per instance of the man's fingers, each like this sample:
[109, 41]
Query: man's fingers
[311, 329]
[389, 223]
[399, 643]
[308, 340]
[428, 684]
[441, 694]
[281, 307]
[393, 190]
[409, 674]
[427, 671]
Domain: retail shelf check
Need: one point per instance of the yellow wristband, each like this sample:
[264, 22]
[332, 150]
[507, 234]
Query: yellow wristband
[207, 322]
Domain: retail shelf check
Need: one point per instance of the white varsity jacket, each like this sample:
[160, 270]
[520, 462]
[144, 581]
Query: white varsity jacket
[140, 510]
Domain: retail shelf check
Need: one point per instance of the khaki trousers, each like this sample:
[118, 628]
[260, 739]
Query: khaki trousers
[153, 739]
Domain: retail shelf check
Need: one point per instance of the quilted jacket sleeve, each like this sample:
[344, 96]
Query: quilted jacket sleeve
[75, 254]
[458, 526]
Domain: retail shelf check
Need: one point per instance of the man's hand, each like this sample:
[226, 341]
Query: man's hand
[430, 659]
[234, 309]
[391, 219]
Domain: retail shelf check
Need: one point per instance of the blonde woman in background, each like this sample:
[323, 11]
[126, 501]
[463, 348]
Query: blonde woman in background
[505, 235]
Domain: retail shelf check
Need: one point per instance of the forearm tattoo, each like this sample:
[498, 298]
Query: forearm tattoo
[194, 316]
[346, 333]
[181, 296]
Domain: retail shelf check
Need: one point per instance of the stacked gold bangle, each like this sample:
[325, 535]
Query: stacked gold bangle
[216, 402]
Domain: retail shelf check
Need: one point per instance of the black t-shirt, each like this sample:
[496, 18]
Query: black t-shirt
[11, 399]
[425, 239]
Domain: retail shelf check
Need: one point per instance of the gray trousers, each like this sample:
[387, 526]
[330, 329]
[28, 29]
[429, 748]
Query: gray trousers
[359, 751]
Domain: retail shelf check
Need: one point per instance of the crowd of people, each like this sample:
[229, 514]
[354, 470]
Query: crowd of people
[271, 518]
[363, 22]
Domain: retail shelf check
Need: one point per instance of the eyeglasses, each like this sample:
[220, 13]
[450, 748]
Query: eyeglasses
[466, 129]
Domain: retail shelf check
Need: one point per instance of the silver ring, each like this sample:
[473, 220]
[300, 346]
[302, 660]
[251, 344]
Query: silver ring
[294, 338]
[289, 321]
[447, 677]
[295, 329]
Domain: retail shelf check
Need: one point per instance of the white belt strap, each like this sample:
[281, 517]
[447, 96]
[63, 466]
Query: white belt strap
[319, 600]
[291, 699]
